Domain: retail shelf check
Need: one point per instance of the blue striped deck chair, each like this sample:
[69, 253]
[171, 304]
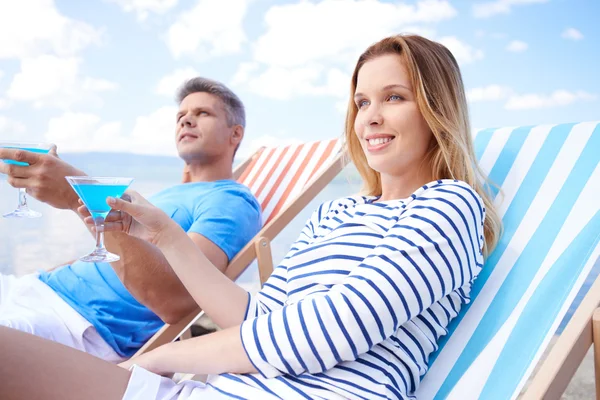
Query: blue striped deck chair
[550, 207]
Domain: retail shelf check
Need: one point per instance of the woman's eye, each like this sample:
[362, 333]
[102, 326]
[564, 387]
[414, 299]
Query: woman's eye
[395, 97]
[362, 103]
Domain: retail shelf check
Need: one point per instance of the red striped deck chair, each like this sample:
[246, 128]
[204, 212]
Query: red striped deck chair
[284, 179]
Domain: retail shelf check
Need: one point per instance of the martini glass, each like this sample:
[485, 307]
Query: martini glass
[93, 191]
[22, 210]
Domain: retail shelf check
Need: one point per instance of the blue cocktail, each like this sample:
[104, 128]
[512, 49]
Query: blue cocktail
[22, 210]
[93, 191]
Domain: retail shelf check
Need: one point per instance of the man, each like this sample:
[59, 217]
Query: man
[111, 310]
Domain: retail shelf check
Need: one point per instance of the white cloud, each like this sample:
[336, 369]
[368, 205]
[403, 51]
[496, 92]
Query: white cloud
[250, 146]
[290, 60]
[341, 106]
[211, 28]
[80, 132]
[284, 83]
[244, 72]
[11, 129]
[169, 83]
[73, 132]
[572, 34]
[305, 32]
[558, 98]
[517, 46]
[491, 8]
[34, 27]
[143, 8]
[515, 101]
[51, 81]
[463, 53]
[155, 133]
[488, 93]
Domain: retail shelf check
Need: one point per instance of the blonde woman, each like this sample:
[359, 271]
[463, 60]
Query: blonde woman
[365, 293]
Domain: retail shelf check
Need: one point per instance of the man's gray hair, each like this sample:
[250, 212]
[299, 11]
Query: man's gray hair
[236, 114]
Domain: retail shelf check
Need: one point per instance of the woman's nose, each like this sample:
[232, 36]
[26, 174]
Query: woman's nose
[374, 116]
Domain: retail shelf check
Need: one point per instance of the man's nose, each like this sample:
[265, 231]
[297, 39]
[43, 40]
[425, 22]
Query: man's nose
[186, 121]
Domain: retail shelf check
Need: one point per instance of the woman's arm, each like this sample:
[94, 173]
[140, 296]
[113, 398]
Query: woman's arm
[215, 353]
[224, 301]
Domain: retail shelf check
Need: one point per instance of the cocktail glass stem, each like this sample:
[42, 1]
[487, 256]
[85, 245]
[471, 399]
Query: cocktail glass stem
[99, 222]
[22, 210]
[100, 254]
[22, 198]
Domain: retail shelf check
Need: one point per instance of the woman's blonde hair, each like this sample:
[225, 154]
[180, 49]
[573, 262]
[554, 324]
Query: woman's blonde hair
[438, 88]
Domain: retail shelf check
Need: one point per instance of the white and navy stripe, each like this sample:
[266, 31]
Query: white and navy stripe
[363, 296]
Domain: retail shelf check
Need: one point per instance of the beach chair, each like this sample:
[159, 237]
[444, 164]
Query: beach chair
[550, 206]
[284, 180]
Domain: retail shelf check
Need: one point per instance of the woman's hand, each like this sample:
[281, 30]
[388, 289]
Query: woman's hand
[148, 361]
[217, 353]
[134, 215]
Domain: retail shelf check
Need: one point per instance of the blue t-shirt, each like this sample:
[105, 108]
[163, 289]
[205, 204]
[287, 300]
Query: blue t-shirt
[225, 212]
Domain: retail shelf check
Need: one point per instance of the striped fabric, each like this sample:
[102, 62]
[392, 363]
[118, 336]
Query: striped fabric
[279, 174]
[276, 176]
[362, 297]
[550, 206]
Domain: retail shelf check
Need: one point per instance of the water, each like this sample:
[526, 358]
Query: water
[94, 196]
[24, 164]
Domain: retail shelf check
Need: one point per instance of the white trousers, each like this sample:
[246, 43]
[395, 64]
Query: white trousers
[29, 305]
[145, 385]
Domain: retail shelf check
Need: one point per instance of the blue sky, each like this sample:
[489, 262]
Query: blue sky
[99, 75]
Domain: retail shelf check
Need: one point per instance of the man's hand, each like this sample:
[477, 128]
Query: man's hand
[43, 178]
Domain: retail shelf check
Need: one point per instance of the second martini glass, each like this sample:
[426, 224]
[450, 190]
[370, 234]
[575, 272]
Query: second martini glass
[23, 210]
[93, 191]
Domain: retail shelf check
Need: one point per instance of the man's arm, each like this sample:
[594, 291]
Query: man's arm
[149, 277]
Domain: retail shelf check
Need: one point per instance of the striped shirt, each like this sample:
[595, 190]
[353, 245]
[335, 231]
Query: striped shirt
[363, 296]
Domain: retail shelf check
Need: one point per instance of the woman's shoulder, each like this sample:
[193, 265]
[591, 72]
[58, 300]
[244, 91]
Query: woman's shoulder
[338, 204]
[447, 188]
[450, 193]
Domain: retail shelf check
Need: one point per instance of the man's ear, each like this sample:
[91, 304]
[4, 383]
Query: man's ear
[237, 135]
